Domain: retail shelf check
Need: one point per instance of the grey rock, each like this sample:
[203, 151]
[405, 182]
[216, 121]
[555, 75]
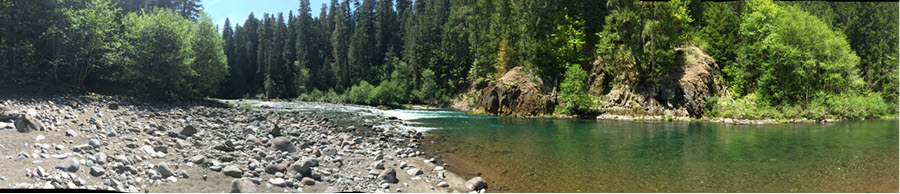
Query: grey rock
[113, 106]
[443, 184]
[101, 157]
[276, 131]
[476, 184]
[69, 165]
[26, 123]
[94, 143]
[163, 149]
[97, 171]
[389, 175]
[276, 168]
[232, 171]
[198, 159]
[277, 182]
[164, 170]
[186, 131]
[304, 166]
[378, 165]
[242, 186]
[307, 181]
[414, 172]
[71, 133]
[283, 144]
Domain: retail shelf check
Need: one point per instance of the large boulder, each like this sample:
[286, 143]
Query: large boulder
[26, 123]
[517, 93]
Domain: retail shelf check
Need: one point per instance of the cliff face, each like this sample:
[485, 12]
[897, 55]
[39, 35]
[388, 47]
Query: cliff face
[683, 92]
[517, 93]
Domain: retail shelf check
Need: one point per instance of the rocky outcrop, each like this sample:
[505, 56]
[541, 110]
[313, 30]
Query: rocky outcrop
[682, 93]
[517, 93]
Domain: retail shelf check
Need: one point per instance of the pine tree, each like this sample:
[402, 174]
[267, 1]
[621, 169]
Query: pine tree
[361, 56]
[339, 42]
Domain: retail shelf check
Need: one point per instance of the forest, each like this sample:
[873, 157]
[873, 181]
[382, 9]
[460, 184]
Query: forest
[806, 58]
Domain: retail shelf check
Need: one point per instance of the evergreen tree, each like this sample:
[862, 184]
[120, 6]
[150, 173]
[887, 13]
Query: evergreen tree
[362, 57]
[339, 43]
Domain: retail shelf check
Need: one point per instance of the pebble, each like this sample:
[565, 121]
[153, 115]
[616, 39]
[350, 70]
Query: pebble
[39, 138]
[443, 184]
[71, 133]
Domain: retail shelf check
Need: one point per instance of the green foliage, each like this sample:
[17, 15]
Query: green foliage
[210, 63]
[359, 94]
[505, 59]
[92, 39]
[573, 97]
[387, 93]
[721, 22]
[159, 53]
[642, 36]
[429, 88]
[789, 55]
[169, 55]
[842, 106]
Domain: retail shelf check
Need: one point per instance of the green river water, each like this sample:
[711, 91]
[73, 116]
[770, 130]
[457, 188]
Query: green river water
[578, 155]
[572, 155]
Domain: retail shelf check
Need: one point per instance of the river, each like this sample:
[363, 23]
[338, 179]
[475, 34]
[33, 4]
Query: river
[578, 155]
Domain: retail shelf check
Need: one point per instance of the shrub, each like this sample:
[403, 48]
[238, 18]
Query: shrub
[573, 96]
[386, 93]
[359, 94]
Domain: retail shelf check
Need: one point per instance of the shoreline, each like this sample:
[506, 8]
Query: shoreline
[457, 106]
[192, 146]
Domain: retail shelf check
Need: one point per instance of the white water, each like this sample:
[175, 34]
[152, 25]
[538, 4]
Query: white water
[345, 112]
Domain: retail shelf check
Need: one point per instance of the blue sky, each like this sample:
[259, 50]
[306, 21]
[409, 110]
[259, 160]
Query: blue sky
[238, 10]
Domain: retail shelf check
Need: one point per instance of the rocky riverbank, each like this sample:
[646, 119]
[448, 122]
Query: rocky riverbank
[126, 145]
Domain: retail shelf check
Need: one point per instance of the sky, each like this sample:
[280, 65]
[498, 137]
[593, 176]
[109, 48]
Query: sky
[238, 10]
